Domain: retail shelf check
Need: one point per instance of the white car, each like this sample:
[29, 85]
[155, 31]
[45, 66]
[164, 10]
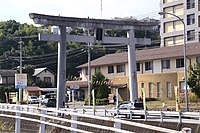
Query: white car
[32, 99]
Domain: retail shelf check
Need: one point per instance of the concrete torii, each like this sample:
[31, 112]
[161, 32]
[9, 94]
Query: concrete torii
[62, 38]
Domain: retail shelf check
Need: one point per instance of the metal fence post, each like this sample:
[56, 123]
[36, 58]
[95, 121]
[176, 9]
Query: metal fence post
[42, 125]
[17, 120]
[180, 120]
[94, 111]
[130, 115]
[117, 124]
[83, 111]
[105, 113]
[74, 118]
[145, 115]
[161, 116]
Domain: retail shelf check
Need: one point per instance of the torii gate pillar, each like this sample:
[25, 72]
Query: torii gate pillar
[132, 66]
[61, 77]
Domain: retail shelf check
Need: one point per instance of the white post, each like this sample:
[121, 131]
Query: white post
[42, 125]
[117, 100]
[73, 98]
[74, 118]
[117, 124]
[93, 99]
[17, 120]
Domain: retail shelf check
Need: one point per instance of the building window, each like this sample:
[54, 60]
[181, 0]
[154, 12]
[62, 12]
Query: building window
[190, 4]
[120, 68]
[165, 64]
[150, 90]
[179, 63]
[97, 69]
[182, 85]
[198, 59]
[191, 35]
[138, 66]
[190, 19]
[4, 80]
[148, 66]
[86, 71]
[169, 89]
[110, 69]
[37, 78]
[47, 79]
[159, 89]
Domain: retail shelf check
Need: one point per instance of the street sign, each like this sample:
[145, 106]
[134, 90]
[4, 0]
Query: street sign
[20, 81]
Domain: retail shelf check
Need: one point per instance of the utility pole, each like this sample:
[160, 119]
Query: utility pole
[89, 73]
[20, 70]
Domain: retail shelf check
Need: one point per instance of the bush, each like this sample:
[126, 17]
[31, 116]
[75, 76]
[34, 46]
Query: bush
[103, 101]
[86, 101]
[148, 99]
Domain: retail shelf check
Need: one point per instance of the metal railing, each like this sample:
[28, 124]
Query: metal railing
[59, 118]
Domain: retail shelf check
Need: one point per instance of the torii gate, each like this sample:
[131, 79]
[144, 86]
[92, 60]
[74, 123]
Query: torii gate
[62, 38]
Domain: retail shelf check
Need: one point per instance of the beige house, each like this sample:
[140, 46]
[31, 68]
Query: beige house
[45, 75]
[158, 70]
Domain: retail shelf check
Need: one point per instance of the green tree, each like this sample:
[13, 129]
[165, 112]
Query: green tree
[100, 85]
[194, 79]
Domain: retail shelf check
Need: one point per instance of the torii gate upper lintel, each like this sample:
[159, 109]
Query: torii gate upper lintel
[64, 22]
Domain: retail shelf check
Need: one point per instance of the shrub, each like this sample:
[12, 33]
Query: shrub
[86, 101]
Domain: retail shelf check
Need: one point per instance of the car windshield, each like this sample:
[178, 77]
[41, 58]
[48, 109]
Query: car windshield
[33, 97]
[140, 105]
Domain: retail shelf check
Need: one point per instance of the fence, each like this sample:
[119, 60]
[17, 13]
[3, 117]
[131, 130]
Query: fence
[75, 120]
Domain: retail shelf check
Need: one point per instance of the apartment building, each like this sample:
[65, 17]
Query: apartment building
[172, 28]
[158, 70]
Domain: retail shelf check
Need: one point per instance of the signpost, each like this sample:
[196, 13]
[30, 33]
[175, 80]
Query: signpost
[144, 98]
[177, 98]
[20, 81]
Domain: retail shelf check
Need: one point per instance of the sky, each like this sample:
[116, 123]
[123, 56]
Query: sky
[19, 9]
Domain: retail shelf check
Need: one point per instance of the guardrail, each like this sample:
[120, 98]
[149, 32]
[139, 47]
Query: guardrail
[60, 118]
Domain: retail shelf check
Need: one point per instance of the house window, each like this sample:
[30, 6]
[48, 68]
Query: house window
[159, 90]
[120, 68]
[190, 4]
[190, 19]
[179, 63]
[86, 71]
[138, 66]
[198, 59]
[150, 90]
[191, 35]
[165, 64]
[47, 79]
[97, 69]
[110, 69]
[148, 66]
[38, 79]
[4, 80]
[169, 89]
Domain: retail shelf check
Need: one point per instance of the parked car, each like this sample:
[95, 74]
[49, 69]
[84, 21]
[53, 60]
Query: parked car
[41, 98]
[49, 100]
[127, 105]
[33, 99]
